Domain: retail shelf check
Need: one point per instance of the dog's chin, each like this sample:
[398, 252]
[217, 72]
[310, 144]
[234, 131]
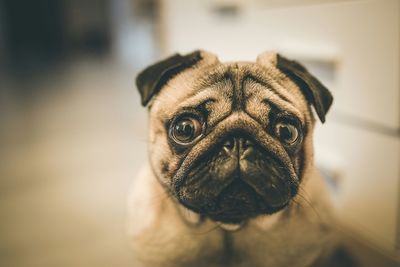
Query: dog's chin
[235, 205]
[238, 203]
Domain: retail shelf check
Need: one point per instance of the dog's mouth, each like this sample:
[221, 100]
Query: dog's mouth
[235, 204]
[236, 181]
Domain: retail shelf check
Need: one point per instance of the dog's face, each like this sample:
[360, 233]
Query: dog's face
[231, 141]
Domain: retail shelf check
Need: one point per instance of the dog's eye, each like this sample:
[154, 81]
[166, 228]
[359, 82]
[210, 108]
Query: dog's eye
[287, 133]
[185, 130]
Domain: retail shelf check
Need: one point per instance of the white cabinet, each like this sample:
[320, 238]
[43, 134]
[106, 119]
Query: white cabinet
[367, 165]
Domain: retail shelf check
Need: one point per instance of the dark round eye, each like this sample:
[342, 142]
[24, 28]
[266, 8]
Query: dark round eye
[185, 130]
[287, 133]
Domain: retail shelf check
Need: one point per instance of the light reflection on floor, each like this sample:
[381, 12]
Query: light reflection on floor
[68, 155]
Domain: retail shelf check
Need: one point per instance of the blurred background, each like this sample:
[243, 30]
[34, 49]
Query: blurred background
[73, 133]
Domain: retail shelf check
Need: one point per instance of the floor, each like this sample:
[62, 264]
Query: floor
[68, 154]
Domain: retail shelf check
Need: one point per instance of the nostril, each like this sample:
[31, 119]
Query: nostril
[229, 144]
[238, 144]
[246, 144]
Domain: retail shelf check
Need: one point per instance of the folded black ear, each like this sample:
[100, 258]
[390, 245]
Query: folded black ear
[151, 79]
[314, 91]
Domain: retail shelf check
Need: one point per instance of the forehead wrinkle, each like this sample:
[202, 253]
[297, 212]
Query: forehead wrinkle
[211, 92]
[189, 83]
[287, 89]
[215, 76]
[269, 97]
[270, 79]
[268, 94]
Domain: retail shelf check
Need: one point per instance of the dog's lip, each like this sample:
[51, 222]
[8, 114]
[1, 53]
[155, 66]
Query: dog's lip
[230, 220]
[226, 219]
[189, 215]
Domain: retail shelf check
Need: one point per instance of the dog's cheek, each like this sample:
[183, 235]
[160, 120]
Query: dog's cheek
[161, 157]
[298, 163]
[169, 167]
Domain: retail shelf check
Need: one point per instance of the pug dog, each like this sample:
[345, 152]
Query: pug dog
[231, 179]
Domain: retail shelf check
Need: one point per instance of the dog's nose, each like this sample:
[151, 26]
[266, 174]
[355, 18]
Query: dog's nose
[237, 145]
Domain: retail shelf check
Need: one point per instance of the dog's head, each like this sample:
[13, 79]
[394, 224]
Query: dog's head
[231, 140]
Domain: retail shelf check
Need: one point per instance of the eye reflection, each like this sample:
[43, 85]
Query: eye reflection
[185, 130]
[286, 133]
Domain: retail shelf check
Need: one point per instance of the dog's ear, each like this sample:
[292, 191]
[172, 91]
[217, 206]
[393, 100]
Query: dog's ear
[314, 91]
[150, 80]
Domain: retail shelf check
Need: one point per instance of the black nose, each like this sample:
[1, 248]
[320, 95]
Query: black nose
[237, 145]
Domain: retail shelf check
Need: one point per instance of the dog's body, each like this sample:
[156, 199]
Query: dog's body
[231, 180]
[163, 236]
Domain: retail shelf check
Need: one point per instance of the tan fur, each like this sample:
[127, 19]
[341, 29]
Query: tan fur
[160, 234]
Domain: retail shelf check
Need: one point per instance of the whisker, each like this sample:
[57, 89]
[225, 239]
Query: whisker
[314, 209]
[207, 231]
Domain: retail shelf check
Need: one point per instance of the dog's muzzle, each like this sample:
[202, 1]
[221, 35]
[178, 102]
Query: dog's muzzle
[237, 180]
